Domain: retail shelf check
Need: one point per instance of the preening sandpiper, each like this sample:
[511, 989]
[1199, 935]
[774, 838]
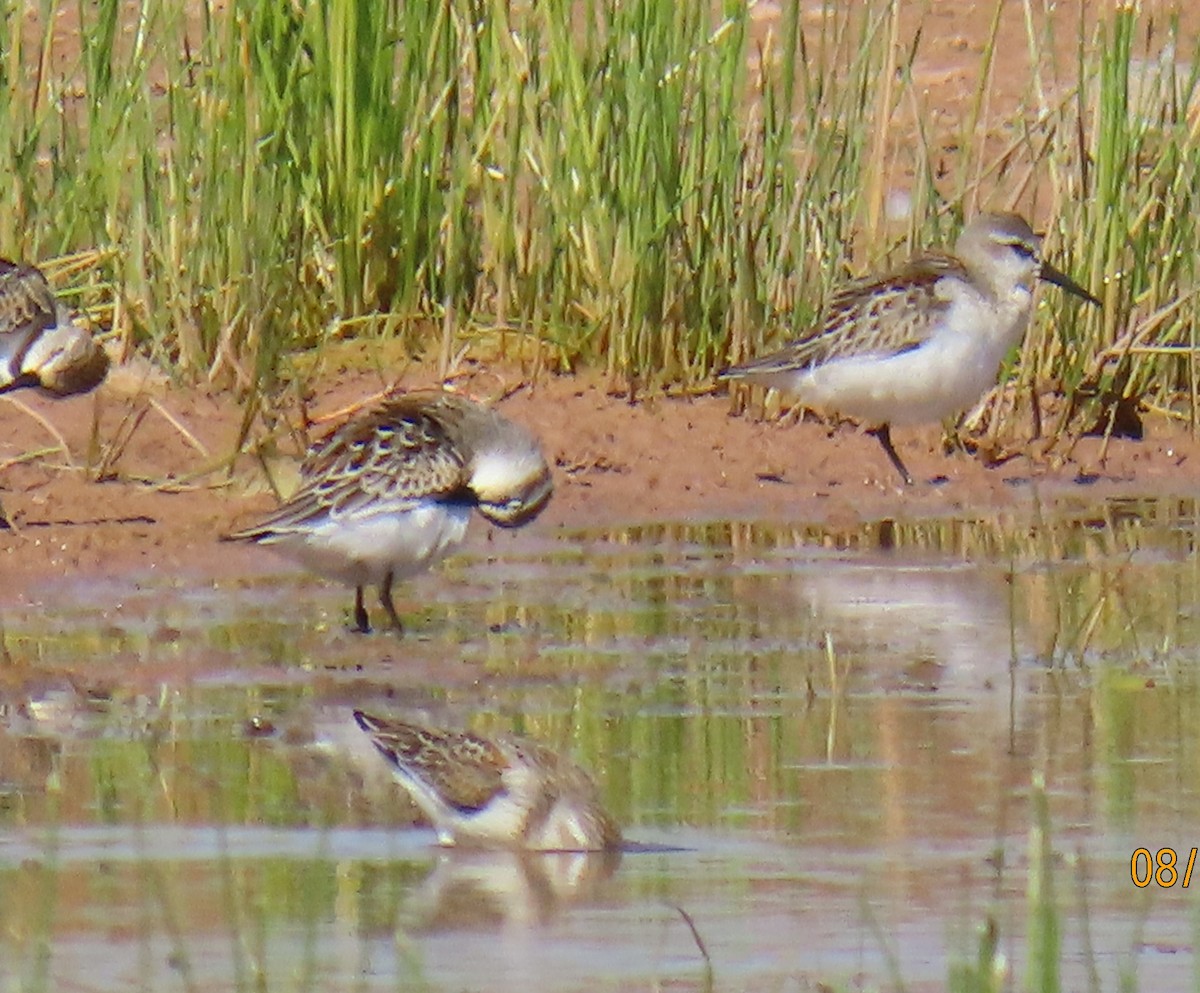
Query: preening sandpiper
[920, 343]
[40, 346]
[390, 492]
[494, 792]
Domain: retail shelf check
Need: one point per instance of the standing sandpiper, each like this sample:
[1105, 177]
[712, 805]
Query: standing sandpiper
[501, 792]
[390, 492]
[923, 342]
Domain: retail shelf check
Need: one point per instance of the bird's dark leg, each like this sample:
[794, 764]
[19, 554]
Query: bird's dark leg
[361, 624]
[884, 434]
[385, 598]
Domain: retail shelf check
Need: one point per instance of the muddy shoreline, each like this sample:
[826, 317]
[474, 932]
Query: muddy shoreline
[615, 463]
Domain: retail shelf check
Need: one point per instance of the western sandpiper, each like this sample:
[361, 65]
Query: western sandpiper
[499, 792]
[920, 343]
[40, 346]
[390, 492]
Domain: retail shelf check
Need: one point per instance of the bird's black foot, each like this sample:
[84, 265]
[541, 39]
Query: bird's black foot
[884, 434]
[389, 608]
[362, 624]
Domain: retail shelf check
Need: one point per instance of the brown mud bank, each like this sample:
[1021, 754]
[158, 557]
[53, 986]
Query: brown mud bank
[160, 505]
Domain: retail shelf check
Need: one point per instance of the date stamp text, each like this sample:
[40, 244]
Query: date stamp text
[1161, 867]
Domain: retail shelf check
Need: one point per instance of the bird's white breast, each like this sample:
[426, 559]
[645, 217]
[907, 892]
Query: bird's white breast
[361, 549]
[946, 374]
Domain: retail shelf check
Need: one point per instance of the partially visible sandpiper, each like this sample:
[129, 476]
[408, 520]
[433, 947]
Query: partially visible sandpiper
[41, 347]
[494, 792]
[391, 491]
[920, 343]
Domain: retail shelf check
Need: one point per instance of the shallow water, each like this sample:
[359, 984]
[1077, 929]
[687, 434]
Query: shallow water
[871, 747]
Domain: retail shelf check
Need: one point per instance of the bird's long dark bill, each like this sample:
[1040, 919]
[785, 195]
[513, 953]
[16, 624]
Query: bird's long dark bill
[1058, 278]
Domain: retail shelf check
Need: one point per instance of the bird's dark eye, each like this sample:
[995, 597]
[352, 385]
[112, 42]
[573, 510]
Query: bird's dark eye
[1022, 249]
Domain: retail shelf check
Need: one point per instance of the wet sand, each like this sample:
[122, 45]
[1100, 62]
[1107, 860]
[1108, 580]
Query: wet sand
[162, 504]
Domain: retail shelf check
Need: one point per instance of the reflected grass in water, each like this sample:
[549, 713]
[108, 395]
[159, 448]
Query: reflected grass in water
[221, 922]
[863, 707]
[636, 589]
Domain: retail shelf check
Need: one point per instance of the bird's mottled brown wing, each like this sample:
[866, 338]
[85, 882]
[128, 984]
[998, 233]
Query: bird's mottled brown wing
[463, 768]
[563, 774]
[385, 459]
[26, 299]
[880, 316]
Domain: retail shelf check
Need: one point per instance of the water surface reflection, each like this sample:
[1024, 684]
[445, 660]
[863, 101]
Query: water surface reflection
[842, 730]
